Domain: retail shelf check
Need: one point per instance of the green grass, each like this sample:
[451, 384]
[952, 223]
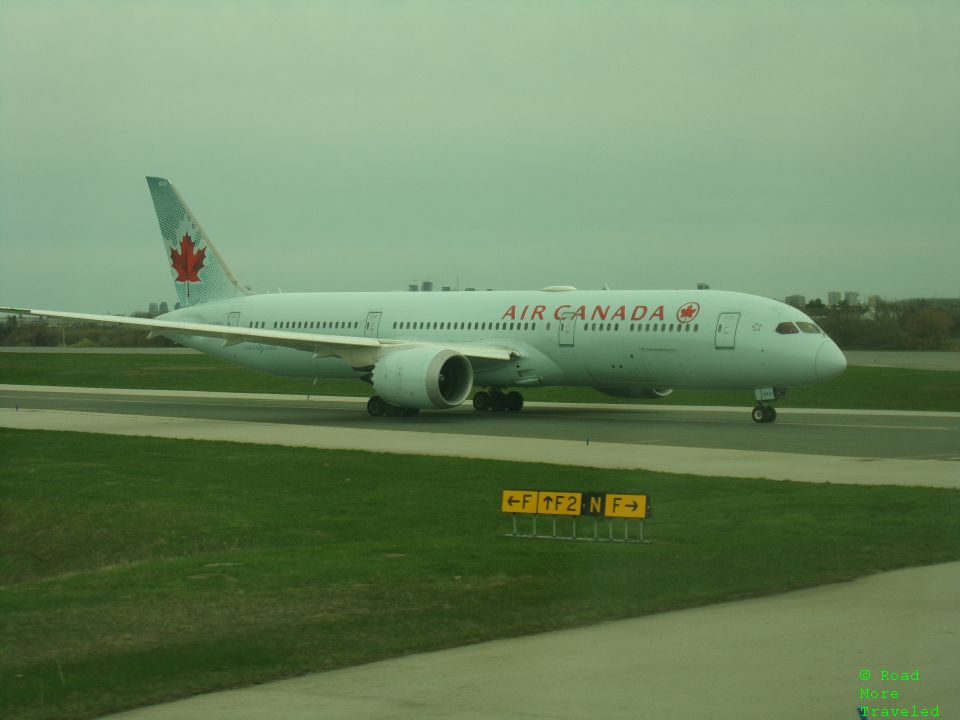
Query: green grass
[858, 387]
[137, 570]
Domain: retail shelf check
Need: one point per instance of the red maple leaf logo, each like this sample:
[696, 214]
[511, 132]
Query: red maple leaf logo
[187, 263]
[688, 312]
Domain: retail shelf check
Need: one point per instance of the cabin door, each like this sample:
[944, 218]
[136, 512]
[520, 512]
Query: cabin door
[233, 319]
[568, 325]
[371, 328]
[727, 330]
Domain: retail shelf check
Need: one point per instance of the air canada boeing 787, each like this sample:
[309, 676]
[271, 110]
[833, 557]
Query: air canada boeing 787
[430, 350]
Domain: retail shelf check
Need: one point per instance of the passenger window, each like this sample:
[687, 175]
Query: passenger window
[787, 328]
[548, 326]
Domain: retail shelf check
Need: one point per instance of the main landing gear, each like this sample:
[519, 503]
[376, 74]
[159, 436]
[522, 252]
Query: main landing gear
[495, 400]
[378, 407]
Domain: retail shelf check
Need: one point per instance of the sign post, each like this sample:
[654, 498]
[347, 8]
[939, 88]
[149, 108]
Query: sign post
[554, 504]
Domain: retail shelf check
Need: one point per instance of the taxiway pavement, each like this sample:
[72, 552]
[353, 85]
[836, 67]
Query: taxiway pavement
[660, 457]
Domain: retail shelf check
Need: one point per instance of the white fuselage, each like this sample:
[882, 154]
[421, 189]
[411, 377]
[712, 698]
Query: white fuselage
[602, 338]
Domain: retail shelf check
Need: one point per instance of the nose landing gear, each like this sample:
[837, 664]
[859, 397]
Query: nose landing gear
[763, 414]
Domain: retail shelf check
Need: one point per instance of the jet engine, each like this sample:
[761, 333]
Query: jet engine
[423, 377]
[648, 393]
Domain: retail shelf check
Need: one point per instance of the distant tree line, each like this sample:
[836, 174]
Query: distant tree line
[19, 332]
[902, 325]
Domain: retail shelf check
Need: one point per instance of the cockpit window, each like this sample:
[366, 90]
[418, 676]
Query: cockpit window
[808, 327]
[787, 328]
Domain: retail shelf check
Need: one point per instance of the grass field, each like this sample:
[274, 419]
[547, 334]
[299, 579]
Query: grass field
[858, 387]
[139, 570]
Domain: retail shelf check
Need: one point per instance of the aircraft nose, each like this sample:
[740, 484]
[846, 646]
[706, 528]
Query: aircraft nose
[830, 361]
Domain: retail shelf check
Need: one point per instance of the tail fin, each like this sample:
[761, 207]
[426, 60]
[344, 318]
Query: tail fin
[199, 272]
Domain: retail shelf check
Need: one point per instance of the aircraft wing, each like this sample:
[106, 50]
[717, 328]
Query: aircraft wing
[359, 352]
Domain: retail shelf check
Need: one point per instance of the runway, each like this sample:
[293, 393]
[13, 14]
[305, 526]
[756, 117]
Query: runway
[867, 447]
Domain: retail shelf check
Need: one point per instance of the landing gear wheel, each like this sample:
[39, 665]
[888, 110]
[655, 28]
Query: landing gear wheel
[514, 401]
[482, 402]
[498, 403]
[763, 414]
[376, 406]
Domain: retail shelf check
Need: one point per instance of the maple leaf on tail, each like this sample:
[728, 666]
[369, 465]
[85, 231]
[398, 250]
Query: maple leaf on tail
[187, 263]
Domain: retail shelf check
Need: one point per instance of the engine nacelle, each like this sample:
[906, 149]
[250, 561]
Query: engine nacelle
[423, 377]
[647, 393]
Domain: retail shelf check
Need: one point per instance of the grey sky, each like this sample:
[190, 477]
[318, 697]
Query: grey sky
[774, 148]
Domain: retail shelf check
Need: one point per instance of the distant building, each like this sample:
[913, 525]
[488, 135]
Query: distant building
[833, 298]
[798, 301]
[413, 287]
[164, 308]
[426, 286]
[851, 298]
[445, 288]
[153, 310]
[873, 301]
[703, 286]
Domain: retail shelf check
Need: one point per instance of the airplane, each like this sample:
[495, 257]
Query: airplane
[422, 350]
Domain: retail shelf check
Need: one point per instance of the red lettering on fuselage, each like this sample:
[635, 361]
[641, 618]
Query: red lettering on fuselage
[598, 312]
[601, 311]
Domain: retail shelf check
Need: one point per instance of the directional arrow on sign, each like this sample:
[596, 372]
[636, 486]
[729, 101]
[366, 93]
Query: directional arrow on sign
[626, 506]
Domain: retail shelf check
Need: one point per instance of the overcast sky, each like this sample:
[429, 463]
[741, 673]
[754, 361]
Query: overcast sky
[773, 148]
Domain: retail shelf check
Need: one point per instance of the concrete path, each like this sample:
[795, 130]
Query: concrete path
[796, 655]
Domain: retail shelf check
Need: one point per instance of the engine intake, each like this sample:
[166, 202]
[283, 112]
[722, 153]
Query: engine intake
[423, 377]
